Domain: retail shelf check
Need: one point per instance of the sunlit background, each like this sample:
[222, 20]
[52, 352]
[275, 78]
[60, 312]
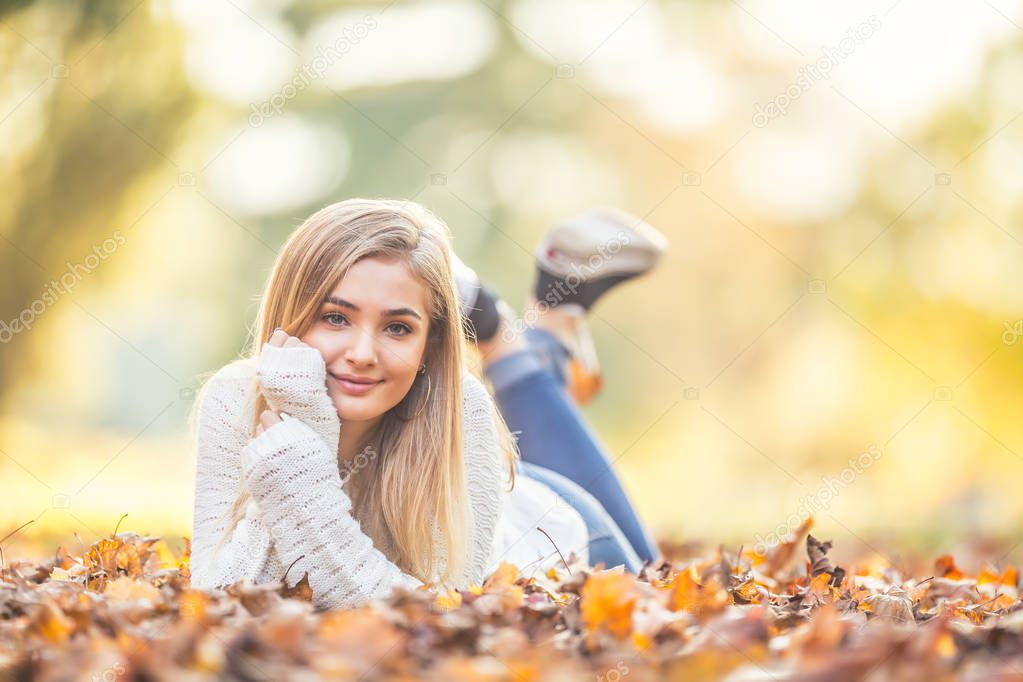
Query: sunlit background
[840, 183]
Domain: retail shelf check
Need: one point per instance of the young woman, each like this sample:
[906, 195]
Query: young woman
[353, 444]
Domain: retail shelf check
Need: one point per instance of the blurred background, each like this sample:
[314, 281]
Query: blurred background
[837, 329]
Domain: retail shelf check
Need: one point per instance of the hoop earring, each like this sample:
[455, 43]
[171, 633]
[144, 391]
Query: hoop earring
[422, 407]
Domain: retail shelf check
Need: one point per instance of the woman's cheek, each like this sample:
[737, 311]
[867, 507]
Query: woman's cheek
[388, 400]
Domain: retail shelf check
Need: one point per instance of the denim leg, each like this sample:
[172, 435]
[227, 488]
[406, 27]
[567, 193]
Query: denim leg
[607, 542]
[553, 434]
[551, 351]
[545, 353]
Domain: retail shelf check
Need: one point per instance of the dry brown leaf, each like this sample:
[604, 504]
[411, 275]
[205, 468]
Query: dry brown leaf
[713, 616]
[300, 590]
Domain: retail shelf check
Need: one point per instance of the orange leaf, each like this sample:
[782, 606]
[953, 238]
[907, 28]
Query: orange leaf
[688, 594]
[746, 593]
[781, 555]
[988, 575]
[607, 600]
[945, 567]
[192, 606]
[449, 599]
[1010, 576]
[129, 589]
[505, 575]
[1002, 601]
[820, 590]
[50, 623]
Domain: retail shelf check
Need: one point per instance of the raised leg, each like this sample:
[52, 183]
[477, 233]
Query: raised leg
[553, 434]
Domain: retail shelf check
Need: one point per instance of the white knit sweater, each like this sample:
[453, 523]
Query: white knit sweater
[300, 511]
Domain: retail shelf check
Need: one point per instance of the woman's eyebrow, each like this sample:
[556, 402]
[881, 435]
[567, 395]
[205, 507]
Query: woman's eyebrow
[342, 303]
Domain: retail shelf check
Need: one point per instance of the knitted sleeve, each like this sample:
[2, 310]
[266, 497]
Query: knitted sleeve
[297, 487]
[294, 381]
[299, 510]
[221, 435]
[484, 473]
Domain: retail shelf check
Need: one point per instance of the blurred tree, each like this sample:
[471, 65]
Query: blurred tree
[110, 102]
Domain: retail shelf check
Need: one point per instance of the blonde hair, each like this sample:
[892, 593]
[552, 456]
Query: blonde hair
[415, 486]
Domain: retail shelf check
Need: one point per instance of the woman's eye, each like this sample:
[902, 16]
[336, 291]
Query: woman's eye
[336, 319]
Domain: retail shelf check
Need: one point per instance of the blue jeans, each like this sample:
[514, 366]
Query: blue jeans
[553, 438]
[606, 541]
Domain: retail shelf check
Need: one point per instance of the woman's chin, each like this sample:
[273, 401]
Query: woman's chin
[348, 412]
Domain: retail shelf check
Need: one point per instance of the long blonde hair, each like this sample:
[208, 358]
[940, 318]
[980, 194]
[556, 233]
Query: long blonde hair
[415, 486]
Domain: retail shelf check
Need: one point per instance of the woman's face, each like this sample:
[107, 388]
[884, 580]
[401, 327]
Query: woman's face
[372, 332]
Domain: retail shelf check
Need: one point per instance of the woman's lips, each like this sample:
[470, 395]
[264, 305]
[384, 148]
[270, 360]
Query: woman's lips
[354, 387]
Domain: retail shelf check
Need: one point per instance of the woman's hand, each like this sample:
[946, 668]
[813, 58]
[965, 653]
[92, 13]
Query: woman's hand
[289, 367]
[293, 379]
[267, 419]
[281, 339]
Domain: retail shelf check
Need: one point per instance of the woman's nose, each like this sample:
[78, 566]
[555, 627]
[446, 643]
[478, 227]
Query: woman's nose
[363, 348]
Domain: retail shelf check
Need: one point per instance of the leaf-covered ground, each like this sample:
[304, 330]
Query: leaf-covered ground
[125, 611]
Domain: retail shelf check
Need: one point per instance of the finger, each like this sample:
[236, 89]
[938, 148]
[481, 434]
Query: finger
[268, 419]
[259, 430]
[292, 342]
[278, 337]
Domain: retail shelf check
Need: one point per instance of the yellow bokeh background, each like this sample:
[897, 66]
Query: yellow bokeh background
[840, 184]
